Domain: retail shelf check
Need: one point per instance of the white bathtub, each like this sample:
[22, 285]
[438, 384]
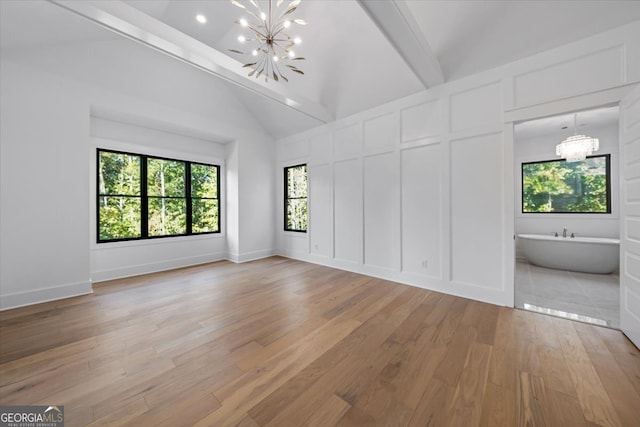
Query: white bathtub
[585, 254]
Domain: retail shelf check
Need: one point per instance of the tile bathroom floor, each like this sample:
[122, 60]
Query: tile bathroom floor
[592, 298]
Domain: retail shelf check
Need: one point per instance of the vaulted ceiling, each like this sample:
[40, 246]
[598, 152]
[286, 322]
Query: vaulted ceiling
[360, 53]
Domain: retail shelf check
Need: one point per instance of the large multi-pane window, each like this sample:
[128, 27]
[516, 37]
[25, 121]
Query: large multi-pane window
[557, 186]
[295, 198]
[142, 196]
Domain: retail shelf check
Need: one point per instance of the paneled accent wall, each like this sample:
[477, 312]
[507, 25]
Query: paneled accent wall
[401, 192]
[420, 190]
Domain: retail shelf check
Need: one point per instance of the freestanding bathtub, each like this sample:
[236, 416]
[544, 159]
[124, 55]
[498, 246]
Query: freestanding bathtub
[585, 254]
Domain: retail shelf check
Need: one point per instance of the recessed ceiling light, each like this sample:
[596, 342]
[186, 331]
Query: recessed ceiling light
[201, 18]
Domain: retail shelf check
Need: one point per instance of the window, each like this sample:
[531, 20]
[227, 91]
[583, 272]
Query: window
[556, 186]
[120, 197]
[295, 198]
[142, 197]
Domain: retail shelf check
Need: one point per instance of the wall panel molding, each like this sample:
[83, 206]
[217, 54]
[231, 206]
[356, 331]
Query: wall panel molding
[476, 108]
[420, 121]
[598, 70]
[381, 134]
[347, 142]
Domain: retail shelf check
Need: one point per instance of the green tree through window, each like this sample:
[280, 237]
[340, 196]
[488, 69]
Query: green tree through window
[142, 197]
[119, 200]
[205, 206]
[167, 197]
[295, 198]
[557, 186]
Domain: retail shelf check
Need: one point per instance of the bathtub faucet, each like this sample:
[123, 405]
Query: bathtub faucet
[564, 232]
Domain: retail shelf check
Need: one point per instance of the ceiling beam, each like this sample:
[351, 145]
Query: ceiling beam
[129, 22]
[394, 19]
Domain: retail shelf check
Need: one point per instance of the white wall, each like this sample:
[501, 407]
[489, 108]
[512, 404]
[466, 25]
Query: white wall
[543, 148]
[48, 248]
[44, 218]
[256, 199]
[421, 190]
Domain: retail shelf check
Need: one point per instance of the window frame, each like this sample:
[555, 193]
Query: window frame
[144, 197]
[607, 158]
[287, 198]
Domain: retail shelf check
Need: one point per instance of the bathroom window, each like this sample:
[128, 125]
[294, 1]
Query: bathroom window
[556, 186]
[295, 198]
[141, 197]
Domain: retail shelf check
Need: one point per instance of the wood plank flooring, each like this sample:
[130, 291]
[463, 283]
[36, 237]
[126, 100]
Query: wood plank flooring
[278, 342]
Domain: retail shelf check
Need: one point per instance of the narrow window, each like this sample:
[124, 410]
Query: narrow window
[167, 197]
[295, 198]
[556, 186]
[119, 196]
[205, 205]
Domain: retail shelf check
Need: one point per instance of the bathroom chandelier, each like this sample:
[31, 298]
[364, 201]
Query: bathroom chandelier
[577, 147]
[270, 46]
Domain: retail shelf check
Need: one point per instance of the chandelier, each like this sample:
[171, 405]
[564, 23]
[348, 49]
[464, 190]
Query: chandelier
[577, 147]
[270, 47]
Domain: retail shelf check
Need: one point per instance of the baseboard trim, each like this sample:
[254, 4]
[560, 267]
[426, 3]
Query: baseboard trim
[37, 296]
[155, 267]
[250, 256]
[464, 290]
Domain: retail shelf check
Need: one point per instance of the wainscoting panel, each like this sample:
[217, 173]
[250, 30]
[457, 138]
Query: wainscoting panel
[320, 148]
[594, 71]
[348, 211]
[380, 211]
[477, 211]
[347, 142]
[421, 121]
[422, 211]
[320, 210]
[381, 133]
[477, 108]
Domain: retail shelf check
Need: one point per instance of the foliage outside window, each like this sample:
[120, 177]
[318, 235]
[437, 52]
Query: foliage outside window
[295, 199]
[556, 186]
[143, 197]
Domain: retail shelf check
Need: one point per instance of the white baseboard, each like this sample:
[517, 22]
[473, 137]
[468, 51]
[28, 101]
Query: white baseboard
[155, 267]
[464, 290]
[37, 296]
[250, 256]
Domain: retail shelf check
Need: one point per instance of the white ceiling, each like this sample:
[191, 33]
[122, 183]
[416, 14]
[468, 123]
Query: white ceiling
[351, 65]
[472, 36]
[345, 52]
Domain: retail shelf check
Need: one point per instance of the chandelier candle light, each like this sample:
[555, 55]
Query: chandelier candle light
[577, 147]
[272, 46]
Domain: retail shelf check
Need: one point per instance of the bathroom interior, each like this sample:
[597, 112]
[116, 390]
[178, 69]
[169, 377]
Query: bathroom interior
[558, 288]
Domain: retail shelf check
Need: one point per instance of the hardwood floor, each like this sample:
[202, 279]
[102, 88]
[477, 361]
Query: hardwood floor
[278, 342]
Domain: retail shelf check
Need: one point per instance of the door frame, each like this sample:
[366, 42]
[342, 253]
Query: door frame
[604, 98]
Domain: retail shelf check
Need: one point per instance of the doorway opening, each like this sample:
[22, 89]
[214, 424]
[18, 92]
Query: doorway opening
[566, 205]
